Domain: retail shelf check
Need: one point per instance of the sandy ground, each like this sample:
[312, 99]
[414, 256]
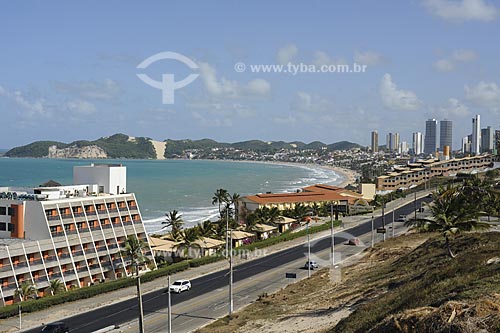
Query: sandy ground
[159, 148]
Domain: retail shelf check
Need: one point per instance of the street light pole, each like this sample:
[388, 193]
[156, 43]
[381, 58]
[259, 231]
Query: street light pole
[139, 298]
[332, 234]
[373, 241]
[383, 217]
[415, 205]
[169, 327]
[231, 274]
[393, 209]
[308, 251]
[227, 227]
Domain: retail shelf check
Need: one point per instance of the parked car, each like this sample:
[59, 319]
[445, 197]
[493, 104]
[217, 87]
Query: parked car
[57, 327]
[401, 219]
[311, 264]
[180, 286]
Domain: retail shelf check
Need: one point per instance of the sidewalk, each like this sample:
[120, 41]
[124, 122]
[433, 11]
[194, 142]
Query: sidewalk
[55, 313]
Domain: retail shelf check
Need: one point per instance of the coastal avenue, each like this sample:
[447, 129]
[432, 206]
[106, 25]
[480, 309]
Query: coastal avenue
[197, 306]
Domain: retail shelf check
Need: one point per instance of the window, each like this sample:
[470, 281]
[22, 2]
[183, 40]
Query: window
[10, 227]
[11, 212]
[3, 226]
[3, 211]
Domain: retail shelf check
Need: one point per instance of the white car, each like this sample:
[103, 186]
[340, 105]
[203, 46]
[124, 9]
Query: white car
[311, 264]
[180, 286]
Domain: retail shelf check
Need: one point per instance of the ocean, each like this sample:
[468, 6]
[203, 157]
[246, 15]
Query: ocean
[184, 185]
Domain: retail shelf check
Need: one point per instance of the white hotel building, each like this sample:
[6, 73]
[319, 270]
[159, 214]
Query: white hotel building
[71, 233]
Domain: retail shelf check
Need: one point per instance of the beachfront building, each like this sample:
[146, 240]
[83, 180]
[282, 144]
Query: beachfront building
[308, 196]
[73, 234]
[421, 171]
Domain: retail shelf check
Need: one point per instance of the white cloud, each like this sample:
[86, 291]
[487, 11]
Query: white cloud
[258, 87]
[306, 102]
[369, 58]
[106, 90]
[454, 108]
[81, 107]
[211, 121]
[485, 94]
[222, 87]
[287, 54]
[464, 10]
[444, 65]
[458, 56]
[321, 58]
[464, 55]
[288, 120]
[396, 99]
[31, 108]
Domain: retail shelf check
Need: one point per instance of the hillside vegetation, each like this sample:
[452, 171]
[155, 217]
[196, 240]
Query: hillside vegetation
[179, 147]
[406, 284]
[116, 146]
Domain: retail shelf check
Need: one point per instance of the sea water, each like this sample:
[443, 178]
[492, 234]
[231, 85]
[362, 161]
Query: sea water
[184, 185]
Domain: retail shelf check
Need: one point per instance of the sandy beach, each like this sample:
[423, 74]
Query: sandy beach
[349, 176]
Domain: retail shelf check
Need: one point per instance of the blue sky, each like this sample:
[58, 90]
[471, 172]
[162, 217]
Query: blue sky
[68, 70]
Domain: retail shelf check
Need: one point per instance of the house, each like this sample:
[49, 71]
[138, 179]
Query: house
[338, 197]
[264, 231]
[284, 223]
[241, 238]
[164, 248]
[208, 246]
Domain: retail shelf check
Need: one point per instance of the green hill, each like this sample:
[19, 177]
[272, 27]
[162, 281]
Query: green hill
[116, 146]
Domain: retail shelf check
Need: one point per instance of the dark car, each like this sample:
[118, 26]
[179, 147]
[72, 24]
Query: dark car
[57, 327]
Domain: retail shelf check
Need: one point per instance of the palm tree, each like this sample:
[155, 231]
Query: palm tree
[26, 291]
[299, 211]
[454, 210]
[233, 199]
[188, 240]
[134, 250]
[174, 221]
[220, 196]
[55, 287]
[206, 229]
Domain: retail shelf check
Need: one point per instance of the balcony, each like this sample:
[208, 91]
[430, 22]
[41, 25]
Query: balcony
[52, 217]
[112, 210]
[106, 226]
[91, 213]
[81, 214]
[123, 209]
[102, 211]
[5, 268]
[66, 216]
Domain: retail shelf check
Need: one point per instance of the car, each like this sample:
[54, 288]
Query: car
[180, 286]
[311, 264]
[56, 327]
[420, 210]
[401, 219]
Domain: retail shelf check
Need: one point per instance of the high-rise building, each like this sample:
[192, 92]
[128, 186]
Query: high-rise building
[404, 147]
[375, 142]
[466, 142]
[445, 134]
[487, 140]
[430, 141]
[74, 234]
[392, 142]
[476, 135]
[417, 145]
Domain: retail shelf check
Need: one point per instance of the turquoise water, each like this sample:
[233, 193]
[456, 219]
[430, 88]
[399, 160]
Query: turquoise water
[184, 185]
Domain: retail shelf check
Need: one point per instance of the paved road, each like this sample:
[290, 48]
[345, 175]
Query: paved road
[204, 287]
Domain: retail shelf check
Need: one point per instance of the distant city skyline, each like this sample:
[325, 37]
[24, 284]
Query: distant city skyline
[69, 69]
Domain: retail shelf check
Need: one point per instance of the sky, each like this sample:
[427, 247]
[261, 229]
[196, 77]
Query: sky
[69, 70]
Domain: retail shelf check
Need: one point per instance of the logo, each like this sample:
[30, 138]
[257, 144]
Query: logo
[168, 84]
